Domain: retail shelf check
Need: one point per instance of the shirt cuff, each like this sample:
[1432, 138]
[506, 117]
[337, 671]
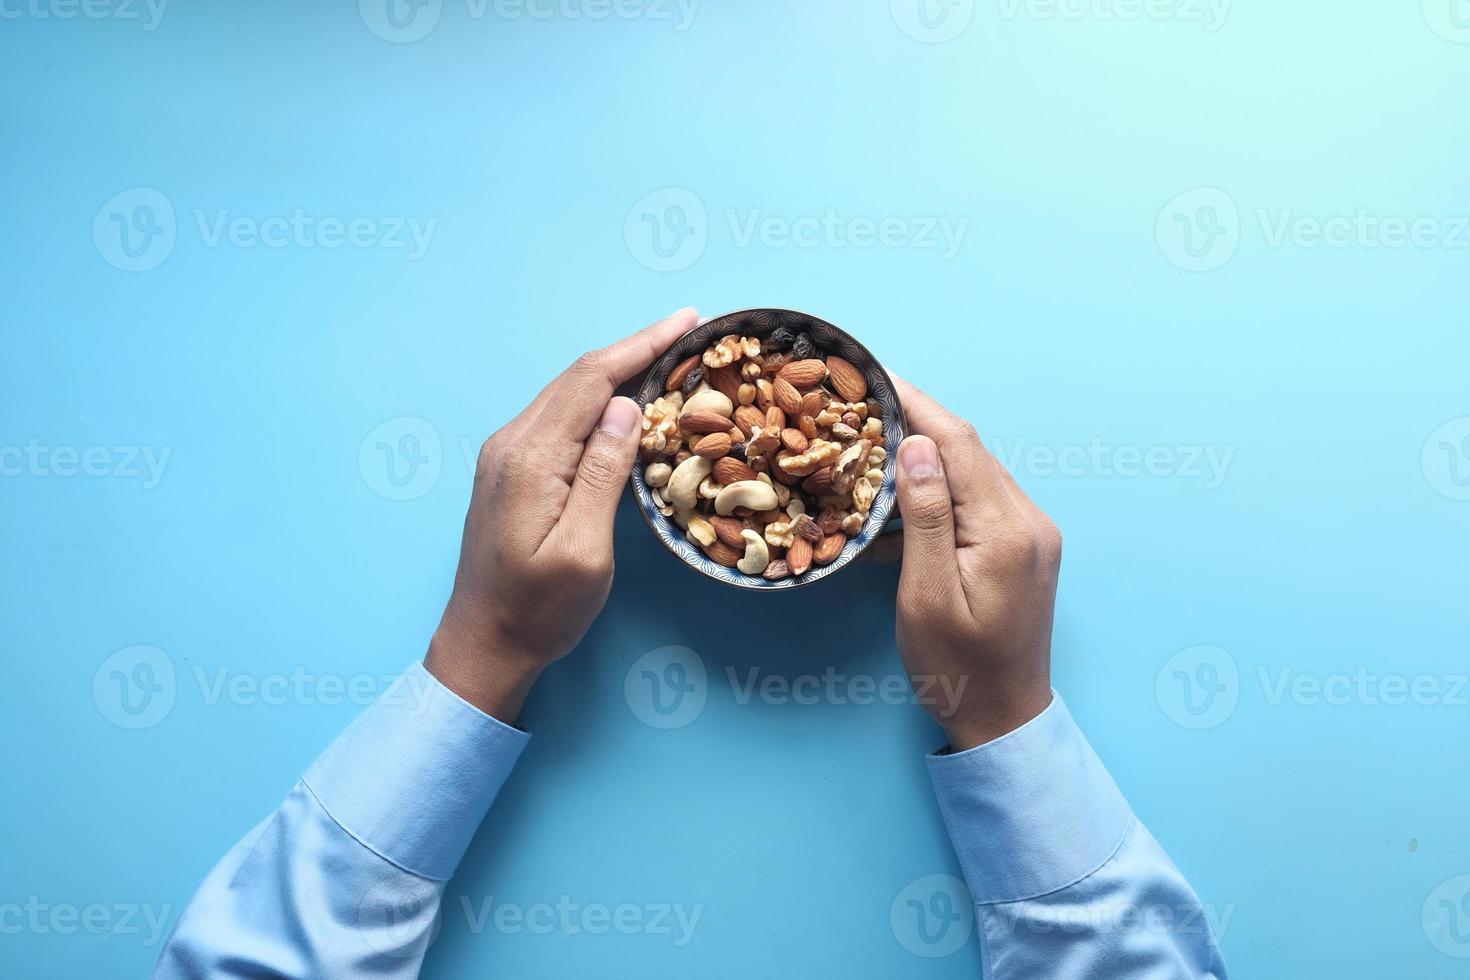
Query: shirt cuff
[414, 775]
[1032, 811]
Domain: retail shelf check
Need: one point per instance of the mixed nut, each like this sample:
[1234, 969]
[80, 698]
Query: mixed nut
[765, 451]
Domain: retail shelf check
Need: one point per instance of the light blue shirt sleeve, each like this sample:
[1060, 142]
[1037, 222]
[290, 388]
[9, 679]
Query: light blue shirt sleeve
[345, 879]
[1066, 881]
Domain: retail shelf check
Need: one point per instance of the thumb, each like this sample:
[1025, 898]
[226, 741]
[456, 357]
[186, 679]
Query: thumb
[928, 514]
[606, 462]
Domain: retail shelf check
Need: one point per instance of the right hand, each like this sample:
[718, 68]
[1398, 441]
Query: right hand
[979, 580]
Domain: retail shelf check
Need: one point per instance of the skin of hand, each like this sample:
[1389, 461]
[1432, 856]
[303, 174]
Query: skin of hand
[536, 561]
[979, 580]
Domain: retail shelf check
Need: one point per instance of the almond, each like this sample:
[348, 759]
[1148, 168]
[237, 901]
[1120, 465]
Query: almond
[728, 529]
[804, 374]
[747, 417]
[787, 398]
[812, 403]
[847, 379]
[798, 556]
[726, 381]
[775, 418]
[828, 549]
[703, 422]
[713, 446]
[729, 470]
[680, 372]
[793, 440]
[723, 553]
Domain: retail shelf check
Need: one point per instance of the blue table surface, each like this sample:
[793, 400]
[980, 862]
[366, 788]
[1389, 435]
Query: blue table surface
[1198, 276]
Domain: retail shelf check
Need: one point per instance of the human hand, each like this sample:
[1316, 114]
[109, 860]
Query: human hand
[536, 561]
[979, 580]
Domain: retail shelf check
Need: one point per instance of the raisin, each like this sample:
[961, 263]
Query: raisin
[780, 339]
[692, 380]
[803, 349]
[737, 450]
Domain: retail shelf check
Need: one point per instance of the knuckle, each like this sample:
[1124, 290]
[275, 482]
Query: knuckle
[926, 511]
[1051, 541]
[590, 362]
[1016, 546]
[600, 471]
[517, 460]
[491, 451]
[963, 432]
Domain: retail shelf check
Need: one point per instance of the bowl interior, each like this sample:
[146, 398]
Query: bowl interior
[831, 340]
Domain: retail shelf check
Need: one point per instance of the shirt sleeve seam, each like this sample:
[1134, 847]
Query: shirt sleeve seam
[1133, 824]
[401, 866]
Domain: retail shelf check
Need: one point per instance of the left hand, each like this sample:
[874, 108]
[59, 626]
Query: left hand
[536, 562]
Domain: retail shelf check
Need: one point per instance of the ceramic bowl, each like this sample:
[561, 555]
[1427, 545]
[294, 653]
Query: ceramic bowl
[830, 339]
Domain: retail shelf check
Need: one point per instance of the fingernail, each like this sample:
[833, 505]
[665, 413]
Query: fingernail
[919, 457]
[620, 417]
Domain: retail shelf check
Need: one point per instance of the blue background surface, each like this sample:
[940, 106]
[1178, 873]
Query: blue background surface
[1073, 314]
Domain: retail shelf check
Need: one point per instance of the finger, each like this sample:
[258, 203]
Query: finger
[928, 515]
[976, 483]
[578, 396]
[601, 474]
[532, 412]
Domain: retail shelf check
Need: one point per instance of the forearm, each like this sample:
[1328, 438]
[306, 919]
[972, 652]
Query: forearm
[345, 878]
[1066, 881]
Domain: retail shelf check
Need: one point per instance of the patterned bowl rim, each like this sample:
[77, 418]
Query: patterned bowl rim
[759, 321]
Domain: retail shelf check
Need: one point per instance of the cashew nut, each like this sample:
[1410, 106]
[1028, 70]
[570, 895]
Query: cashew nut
[709, 401]
[701, 532]
[657, 474]
[709, 489]
[757, 556]
[683, 487]
[742, 493]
